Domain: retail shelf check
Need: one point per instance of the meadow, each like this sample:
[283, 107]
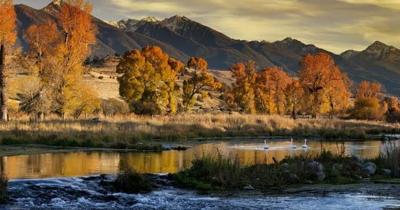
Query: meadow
[149, 132]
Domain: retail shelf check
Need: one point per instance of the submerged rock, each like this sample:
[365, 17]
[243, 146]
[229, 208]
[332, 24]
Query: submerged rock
[248, 187]
[369, 168]
[315, 170]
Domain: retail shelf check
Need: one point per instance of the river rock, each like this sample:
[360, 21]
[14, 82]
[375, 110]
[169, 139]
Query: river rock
[248, 187]
[386, 172]
[337, 169]
[369, 168]
[316, 170]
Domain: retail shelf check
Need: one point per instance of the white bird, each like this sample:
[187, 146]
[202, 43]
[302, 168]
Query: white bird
[266, 145]
[292, 146]
[305, 146]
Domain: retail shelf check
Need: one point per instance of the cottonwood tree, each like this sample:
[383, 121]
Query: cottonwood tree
[323, 81]
[294, 93]
[7, 38]
[43, 40]
[270, 88]
[148, 81]
[368, 104]
[243, 89]
[78, 34]
[198, 82]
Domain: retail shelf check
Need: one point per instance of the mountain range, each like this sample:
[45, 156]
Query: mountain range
[182, 38]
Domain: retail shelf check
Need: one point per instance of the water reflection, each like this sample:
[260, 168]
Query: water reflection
[89, 163]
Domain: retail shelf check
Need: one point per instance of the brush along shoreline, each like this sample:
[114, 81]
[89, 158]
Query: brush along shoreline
[151, 133]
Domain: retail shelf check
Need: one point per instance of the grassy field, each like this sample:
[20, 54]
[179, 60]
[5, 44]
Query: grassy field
[131, 131]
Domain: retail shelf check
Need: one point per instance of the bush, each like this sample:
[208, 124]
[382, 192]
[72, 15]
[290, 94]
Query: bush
[3, 189]
[132, 182]
[368, 109]
[112, 107]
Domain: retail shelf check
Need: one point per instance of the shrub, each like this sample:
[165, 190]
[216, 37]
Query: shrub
[130, 181]
[3, 189]
[112, 107]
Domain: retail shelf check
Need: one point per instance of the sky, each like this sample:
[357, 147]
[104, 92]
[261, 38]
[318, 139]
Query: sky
[335, 25]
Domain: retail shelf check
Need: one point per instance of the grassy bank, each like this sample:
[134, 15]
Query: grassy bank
[140, 132]
[220, 174]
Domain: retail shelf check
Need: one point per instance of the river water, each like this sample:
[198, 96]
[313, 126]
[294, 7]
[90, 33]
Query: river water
[57, 180]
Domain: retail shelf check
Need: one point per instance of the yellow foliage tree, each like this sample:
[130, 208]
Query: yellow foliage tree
[7, 38]
[271, 84]
[149, 81]
[198, 82]
[243, 89]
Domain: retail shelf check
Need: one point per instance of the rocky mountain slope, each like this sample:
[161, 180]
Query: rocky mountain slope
[182, 37]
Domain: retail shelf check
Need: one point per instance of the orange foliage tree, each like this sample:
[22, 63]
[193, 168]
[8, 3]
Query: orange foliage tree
[294, 97]
[243, 89]
[326, 87]
[393, 109]
[148, 81]
[7, 38]
[368, 103]
[78, 33]
[198, 82]
[270, 89]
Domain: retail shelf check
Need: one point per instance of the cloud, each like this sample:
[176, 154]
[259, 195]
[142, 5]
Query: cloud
[336, 25]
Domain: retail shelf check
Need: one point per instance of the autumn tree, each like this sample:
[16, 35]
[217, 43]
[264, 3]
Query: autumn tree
[393, 109]
[338, 92]
[198, 82]
[243, 89]
[148, 81]
[7, 38]
[78, 34]
[368, 89]
[326, 87]
[368, 103]
[294, 94]
[43, 40]
[271, 84]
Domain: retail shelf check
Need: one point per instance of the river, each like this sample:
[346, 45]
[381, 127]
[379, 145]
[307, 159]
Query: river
[70, 179]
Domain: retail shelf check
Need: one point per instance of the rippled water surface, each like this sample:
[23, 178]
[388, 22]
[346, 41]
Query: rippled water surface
[83, 193]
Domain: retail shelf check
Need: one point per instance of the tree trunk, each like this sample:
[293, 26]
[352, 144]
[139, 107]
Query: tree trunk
[3, 94]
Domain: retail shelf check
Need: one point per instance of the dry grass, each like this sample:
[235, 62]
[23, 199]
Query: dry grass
[125, 131]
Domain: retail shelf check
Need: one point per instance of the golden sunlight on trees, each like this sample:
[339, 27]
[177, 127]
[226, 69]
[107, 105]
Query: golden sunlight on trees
[78, 33]
[56, 56]
[294, 97]
[393, 109]
[149, 81]
[7, 38]
[270, 89]
[326, 87]
[198, 82]
[368, 103]
[242, 91]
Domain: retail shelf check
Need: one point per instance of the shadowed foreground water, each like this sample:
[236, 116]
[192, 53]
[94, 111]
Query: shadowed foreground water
[74, 164]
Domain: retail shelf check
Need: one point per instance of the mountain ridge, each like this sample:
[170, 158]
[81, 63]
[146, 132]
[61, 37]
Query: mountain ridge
[182, 38]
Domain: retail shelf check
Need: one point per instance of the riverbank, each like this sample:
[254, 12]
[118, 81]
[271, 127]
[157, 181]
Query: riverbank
[144, 132]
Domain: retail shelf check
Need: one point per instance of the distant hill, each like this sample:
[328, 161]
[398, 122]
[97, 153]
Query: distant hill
[182, 37]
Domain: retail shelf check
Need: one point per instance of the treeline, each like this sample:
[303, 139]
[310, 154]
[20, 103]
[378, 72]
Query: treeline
[149, 83]
[153, 83]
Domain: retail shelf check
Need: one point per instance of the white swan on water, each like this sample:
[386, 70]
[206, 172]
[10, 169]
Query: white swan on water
[305, 146]
[266, 146]
[292, 145]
